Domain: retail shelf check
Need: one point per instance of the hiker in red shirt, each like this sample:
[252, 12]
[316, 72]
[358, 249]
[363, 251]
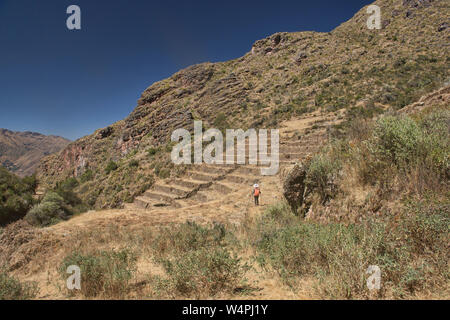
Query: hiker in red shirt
[256, 193]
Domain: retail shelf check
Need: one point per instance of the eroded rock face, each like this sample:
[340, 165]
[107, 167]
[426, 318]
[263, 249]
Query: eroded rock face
[416, 3]
[294, 186]
[270, 44]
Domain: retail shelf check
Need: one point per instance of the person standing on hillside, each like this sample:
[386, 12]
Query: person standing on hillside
[256, 192]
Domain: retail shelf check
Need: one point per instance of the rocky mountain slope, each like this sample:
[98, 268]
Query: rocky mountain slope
[349, 72]
[35, 254]
[20, 152]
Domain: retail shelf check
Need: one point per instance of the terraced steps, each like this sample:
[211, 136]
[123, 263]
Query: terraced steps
[206, 184]
[190, 183]
[196, 175]
[160, 196]
[242, 179]
[143, 202]
[170, 189]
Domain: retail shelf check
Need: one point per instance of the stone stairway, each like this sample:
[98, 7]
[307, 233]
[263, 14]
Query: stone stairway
[207, 183]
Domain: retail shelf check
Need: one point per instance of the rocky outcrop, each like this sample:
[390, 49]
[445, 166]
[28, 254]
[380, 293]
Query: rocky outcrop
[270, 44]
[104, 133]
[300, 57]
[294, 186]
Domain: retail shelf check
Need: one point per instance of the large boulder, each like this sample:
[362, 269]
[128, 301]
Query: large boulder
[294, 186]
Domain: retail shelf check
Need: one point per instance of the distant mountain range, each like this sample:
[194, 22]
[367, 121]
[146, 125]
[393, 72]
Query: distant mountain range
[20, 152]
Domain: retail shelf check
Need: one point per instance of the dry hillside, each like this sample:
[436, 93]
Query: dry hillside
[20, 152]
[364, 153]
[349, 72]
[144, 242]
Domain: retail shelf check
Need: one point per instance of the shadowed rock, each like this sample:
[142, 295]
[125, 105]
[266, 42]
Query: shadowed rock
[294, 186]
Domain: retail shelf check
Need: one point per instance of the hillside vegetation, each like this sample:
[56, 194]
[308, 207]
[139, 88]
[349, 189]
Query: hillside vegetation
[373, 192]
[16, 196]
[353, 69]
[376, 195]
[401, 226]
[18, 200]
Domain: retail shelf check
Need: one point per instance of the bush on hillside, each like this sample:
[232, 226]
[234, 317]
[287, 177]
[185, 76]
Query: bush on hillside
[105, 274]
[395, 140]
[86, 176]
[111, 166]
[203, 272]
[13, 289]
[51, 210]
[15, 196]
[407, 145]
[186, 237]
[410, 251]
[321, 175]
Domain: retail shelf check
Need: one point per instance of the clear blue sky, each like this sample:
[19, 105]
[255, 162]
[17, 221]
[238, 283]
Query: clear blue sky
[70, 83]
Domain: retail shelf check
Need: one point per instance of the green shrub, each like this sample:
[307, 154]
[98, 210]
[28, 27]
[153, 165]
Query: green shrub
[186, 237]
[169, 146]
[103, 273]
[152, 151]
[111, 166]
[133, 163]
[221, 122]
[68, 184]
[86, 176]
[396, 140]
[15, 196]
[13, 289]
[410, 251]
[436, 128]
[162, 172]
[406, 145]
[51, 210]
[203, 272]
[65, 189]
[321, 176]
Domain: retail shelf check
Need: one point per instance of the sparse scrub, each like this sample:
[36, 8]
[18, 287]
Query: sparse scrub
[152, 151]
[104, 274]
[133, 163]
[197, 261]
[337, 255]
[186, 237]
[203, 272]
[13, 289]
[111, 166]
[86, 176]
